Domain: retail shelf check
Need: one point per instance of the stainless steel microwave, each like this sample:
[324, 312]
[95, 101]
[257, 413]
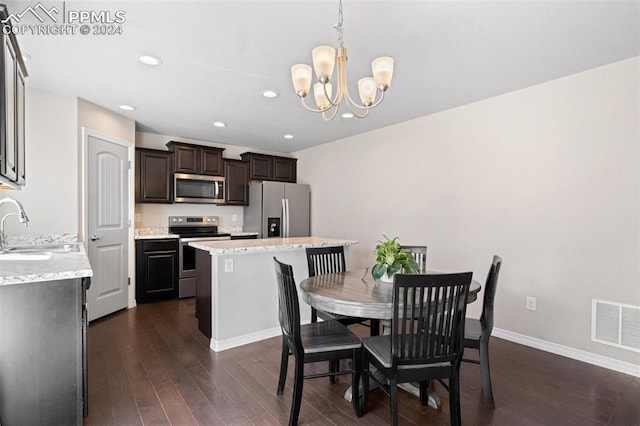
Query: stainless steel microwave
[198, 189]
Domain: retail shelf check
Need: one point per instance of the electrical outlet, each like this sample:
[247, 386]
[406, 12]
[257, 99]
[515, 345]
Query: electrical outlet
[228, 265]
[234, 218]
[137, 217]
[531, 303]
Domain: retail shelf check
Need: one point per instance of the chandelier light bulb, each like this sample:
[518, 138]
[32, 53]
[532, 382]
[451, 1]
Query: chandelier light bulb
[324, 58]
[382, 68]
[301, 78]
[321, 99]
[367, 90]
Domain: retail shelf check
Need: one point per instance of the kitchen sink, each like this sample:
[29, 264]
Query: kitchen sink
[25, 256]
[41, 249]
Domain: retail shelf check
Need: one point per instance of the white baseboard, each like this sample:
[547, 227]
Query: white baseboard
[221, 345]
[566, 351]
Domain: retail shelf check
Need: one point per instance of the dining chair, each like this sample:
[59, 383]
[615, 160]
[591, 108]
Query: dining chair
[314, 342]
[419, 253]
[327, 260]
[425, 343]
[478, 331]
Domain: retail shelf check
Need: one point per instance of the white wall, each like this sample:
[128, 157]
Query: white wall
[155, 215]
[50, 197]
[547, 177]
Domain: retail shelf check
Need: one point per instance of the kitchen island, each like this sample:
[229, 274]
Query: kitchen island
[236, 290]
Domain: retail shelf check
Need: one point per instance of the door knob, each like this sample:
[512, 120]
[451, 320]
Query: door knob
[95, 238]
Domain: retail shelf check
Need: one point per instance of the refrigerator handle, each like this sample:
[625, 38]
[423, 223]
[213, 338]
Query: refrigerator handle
[283, 228]
[286, 203]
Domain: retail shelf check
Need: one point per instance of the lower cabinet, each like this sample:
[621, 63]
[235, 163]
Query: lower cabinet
[156, 269]
[43, 353]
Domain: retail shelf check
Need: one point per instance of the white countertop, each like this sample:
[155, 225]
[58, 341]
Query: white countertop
[268, 244]
[59, 266]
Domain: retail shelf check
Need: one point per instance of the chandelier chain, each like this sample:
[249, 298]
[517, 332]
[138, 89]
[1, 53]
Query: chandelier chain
[338, 26]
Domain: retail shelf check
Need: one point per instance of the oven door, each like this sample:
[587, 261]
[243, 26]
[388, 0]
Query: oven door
[198, 189]
[187, 264]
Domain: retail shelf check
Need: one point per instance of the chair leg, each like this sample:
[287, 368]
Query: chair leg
[296, 398]
[284, 361]
[454, 397]
[424, 395]
[365, 383]
[355, 381]
[314, 315]
[393, 394]
[334, 366]
[485, 374]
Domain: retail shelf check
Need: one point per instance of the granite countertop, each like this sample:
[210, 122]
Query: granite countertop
[151, 233]
[268, 244]
[59, 266]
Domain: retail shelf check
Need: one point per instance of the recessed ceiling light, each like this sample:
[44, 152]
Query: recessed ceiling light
[149, 60]
[347, 115]
[269, 94]
[219, 124]
[25, 56]
[127, 107]
[288, 136]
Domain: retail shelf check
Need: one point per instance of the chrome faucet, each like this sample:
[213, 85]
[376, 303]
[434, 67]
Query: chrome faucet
[21, 214]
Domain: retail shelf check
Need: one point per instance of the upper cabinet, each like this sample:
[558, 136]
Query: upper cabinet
[12, 107]
[236, 174]
[271, 167]
[153, 176]
[196, 159]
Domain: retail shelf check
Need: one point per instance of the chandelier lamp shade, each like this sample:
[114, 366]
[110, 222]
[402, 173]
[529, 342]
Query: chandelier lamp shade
[325, 59]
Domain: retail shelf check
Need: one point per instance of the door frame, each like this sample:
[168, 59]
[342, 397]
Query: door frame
[84, 208]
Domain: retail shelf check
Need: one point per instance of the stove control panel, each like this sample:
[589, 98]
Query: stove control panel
[194, 221]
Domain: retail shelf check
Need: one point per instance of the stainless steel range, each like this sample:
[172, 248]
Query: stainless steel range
[193, 228]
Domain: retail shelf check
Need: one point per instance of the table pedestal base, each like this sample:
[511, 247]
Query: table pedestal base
[433, 400]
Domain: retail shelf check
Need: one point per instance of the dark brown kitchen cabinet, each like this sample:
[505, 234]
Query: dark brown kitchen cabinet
[196, 159]
[12, 107]
[271, 167]
[43, 350]
[153, 176]
[156, 269]
[237, 182]
[284, 169]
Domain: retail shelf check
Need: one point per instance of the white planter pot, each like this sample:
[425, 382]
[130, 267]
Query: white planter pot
[387, 278]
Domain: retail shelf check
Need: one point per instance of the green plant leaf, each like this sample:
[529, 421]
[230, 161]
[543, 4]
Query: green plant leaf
[378, 270]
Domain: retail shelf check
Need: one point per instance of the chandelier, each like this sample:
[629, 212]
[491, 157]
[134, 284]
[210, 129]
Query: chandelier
[324, 59]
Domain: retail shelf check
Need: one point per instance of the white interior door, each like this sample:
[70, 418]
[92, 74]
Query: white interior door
[107, 197]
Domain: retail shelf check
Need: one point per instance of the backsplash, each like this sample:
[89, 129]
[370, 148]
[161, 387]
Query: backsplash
[156, 215]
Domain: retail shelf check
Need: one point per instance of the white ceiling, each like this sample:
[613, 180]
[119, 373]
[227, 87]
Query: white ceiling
[219, 55]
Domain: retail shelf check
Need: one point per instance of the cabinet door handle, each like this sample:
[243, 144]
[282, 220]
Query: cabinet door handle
[94, 238]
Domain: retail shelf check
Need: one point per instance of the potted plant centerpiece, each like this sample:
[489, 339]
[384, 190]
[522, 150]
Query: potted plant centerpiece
[391, 259]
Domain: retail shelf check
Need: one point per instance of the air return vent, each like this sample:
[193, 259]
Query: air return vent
[615, 324]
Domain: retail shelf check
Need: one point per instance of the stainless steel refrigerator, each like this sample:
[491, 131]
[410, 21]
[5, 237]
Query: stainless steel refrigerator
[278, 209]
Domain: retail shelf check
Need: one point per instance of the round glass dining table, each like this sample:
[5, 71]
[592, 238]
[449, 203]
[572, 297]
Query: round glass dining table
[355, 293]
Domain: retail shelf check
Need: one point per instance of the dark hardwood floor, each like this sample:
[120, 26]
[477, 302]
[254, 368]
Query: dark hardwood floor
[151, 365]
